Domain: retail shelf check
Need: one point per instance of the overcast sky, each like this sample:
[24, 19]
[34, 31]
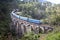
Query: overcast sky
[55, 1]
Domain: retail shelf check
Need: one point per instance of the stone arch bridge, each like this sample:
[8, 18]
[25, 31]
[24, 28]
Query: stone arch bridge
[21, 27]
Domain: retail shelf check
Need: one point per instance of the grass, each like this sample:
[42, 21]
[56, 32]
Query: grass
[44, 36]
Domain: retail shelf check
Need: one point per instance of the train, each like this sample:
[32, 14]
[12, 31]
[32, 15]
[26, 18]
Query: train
[27, 19]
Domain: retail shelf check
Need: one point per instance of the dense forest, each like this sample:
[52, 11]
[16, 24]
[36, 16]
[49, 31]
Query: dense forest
[6, 6]
[47, 12]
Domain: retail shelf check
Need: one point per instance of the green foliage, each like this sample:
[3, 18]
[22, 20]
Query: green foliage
[49, 14]
[5, 20]
[30, 36]
[53, 14]
[54, 36]
[32, 10]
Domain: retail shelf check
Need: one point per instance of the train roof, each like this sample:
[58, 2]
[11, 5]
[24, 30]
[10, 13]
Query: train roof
[28, 19]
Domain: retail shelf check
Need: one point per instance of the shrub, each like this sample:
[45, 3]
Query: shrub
[54, 36]
[30, 36]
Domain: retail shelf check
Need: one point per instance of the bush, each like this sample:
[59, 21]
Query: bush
[55, 36]
[30, 36]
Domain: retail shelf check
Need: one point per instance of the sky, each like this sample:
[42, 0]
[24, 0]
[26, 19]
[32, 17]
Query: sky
[54, 1]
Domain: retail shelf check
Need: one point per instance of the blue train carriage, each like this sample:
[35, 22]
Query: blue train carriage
[35, 21]
[28, 19]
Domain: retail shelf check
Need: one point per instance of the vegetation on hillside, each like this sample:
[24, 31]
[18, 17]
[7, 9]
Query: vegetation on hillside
[33, 10]
[5, 19]
[47, 11]
[30, 36]
[54, 36]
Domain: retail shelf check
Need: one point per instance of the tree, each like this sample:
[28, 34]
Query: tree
[5, 20]
[34, 10]
[53, 14]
